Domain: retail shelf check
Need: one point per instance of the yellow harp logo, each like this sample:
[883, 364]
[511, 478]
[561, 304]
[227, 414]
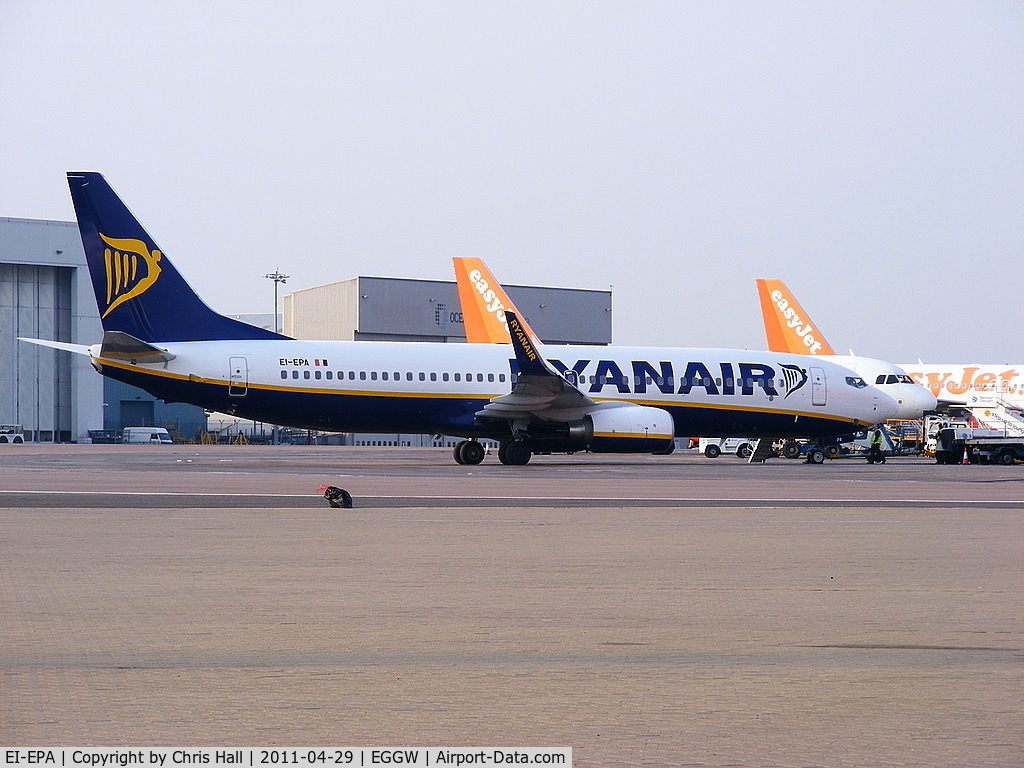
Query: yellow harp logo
[131, 269]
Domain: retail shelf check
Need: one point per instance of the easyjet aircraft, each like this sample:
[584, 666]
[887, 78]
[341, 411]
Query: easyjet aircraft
[160, 336]
[971, 385]
[789, 329]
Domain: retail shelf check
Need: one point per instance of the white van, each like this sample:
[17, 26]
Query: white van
[148, 435]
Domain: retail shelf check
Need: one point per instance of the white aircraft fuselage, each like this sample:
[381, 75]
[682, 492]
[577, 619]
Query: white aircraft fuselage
[160, 336]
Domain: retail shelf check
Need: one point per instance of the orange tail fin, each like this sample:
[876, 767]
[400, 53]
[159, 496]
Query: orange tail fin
[484, 303]
[786, 325]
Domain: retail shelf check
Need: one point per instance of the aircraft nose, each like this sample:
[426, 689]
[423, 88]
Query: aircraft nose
[912, 401]
[886, 406]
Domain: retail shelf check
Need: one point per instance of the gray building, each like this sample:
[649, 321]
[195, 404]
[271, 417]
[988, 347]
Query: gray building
[45, 293]
[393, 309]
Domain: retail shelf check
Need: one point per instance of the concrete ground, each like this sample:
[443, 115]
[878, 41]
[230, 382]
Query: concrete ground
[642, 610]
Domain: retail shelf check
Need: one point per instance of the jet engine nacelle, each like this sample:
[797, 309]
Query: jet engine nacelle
[630, 429]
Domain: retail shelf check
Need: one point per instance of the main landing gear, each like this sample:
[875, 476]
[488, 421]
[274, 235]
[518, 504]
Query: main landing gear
[514, 452]
[511, 452]
[468, 452]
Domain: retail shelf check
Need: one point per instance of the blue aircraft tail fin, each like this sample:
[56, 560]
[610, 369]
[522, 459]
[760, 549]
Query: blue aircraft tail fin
[138, 290]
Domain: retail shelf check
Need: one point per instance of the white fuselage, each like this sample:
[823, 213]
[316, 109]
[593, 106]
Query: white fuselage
[402, 386]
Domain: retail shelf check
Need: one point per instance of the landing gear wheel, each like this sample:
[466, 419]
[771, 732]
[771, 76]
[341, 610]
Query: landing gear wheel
[515, 453]
[815, 456]
[468, 452]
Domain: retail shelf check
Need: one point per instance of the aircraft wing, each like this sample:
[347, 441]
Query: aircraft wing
[540, 391]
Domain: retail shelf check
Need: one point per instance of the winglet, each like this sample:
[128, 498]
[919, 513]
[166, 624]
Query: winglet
[786, 326]
[484, 303]
[525, 345]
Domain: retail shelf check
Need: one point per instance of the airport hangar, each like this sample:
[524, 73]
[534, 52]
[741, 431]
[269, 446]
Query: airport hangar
[57, 397]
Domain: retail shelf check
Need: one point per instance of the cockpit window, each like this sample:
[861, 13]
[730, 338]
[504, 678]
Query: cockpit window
[893, 378]
[856, 382]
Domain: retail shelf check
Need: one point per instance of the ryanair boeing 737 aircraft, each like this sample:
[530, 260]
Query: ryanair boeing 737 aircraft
[160, 336]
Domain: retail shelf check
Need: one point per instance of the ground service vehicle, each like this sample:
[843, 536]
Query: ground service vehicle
[713, 447]
[978, 446]
[148, 435]
[11, 433]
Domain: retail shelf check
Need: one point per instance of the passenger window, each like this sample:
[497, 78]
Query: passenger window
[433, 376]
[373, 375]
[305, 374]
[444, 376]
[284, 374]
[458, 377]
[490, 377]
[362, 375]
[317, 374]
[295, 374]
[330, 375]
[384, 375]
[423, 376]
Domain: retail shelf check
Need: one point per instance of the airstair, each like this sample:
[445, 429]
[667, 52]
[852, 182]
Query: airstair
[993, 412]
[762, 450]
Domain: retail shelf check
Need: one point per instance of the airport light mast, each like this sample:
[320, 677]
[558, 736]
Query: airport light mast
[278, 278]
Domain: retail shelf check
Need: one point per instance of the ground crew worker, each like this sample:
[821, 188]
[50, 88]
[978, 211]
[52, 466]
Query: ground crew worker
[875, 448]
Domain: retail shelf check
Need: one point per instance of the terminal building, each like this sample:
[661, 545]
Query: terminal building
[55, 396]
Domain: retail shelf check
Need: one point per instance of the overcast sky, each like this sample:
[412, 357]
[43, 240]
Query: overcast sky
[870, 154]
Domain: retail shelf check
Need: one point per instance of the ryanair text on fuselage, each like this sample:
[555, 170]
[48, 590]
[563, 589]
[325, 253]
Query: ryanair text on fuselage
[729, 379]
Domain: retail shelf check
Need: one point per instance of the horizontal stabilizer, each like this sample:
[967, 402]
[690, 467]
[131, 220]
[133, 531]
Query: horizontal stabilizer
[78, 349]
[122, 346]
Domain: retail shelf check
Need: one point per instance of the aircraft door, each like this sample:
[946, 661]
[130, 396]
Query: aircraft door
[819, 389]
[238, 376]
